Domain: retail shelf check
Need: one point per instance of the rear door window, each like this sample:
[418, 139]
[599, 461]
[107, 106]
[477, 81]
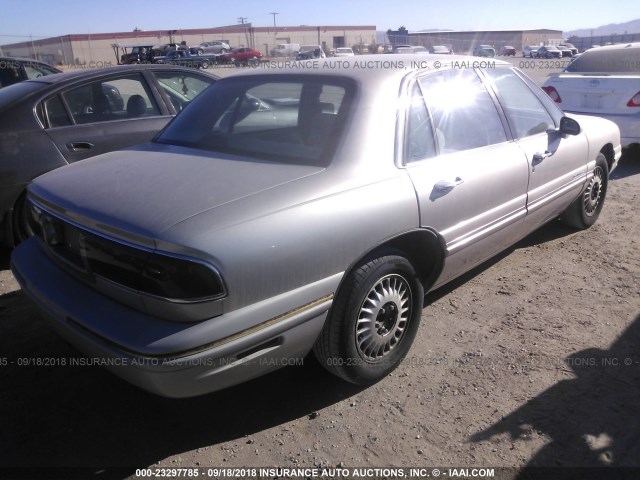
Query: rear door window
[182, 87]
[114, 98]
[464, 114]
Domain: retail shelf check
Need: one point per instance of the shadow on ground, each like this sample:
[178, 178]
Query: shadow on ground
[83, 416]
[586, 417]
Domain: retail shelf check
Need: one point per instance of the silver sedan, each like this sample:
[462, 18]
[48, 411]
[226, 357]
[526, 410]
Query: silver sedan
[289, 211]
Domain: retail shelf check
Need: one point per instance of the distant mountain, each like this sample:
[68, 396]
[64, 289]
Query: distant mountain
[614, 28]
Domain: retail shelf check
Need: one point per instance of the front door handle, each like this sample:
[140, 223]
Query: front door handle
[539, 157]
[79, 146]
[446, 185]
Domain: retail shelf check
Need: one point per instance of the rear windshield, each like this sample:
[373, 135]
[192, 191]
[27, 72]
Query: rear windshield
[623, 60]
[284, 118]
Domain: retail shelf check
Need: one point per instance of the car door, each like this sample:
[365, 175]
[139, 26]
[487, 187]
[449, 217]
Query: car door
[470, 180]
[557, 164]
[102, 115]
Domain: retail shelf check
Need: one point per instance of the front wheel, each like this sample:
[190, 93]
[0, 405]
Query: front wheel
[373, 321]
[205, 65]
[585, 210]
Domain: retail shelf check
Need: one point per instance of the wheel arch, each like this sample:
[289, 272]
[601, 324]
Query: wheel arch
[609, 153]
[423, 247]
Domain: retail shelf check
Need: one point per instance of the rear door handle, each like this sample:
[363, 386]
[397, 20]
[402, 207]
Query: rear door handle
[446, 185]
[79, 146]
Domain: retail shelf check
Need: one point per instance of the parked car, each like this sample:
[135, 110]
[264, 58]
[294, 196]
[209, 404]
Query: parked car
[59, 119]
[308, 52]
[137, 54]
[570, 46]
[565, 52]
[343, 52]
[440, 50]
[508, 51]
[162, 50]
[420, 50]
[484, 51]
[286, 50]
[292, 210]
[530, 51]
[603, 81]
[215, 46]
[185, 59]
[15, 70]
[242, 56]
[401, 48]
[404, 50]
[548, 51]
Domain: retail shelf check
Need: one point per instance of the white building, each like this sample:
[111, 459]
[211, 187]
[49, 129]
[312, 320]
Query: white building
[97, 49]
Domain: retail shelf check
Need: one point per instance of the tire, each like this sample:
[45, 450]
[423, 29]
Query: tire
[200, 52]
[21, 229]
[372, 322]
[205, 65]
[585, 210]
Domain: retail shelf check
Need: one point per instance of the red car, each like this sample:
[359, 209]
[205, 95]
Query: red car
[243, 55]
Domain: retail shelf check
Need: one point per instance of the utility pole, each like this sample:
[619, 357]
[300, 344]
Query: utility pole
[274, 18]
[241, 20]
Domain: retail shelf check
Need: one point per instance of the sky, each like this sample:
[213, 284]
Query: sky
[24, 19]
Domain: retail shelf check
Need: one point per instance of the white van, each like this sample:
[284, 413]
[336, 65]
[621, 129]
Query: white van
[286, 50]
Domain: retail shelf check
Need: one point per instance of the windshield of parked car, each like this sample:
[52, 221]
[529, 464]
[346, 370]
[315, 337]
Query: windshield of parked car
[622, 60]
[283, 118]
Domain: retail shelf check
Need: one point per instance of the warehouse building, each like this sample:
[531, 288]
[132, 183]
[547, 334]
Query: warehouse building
[464, 41]
[100, 49]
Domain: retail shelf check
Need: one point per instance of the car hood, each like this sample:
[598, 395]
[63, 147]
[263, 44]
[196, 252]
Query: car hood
[140, 192]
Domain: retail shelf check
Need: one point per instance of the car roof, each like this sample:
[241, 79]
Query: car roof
[620, 46]
[89, 72]
[371, 68]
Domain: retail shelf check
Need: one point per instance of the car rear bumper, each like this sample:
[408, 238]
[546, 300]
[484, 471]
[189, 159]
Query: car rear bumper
[70, 306]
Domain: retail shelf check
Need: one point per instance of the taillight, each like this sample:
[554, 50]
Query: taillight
[634, 101]
[553, 93]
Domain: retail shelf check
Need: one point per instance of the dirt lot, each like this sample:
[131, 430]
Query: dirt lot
[532, 359]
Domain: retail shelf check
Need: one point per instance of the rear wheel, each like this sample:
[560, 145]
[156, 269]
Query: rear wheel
[585, 210]
[205, 64]
[373, 321]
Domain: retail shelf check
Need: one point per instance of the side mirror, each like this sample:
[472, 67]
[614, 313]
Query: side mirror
[568, 126]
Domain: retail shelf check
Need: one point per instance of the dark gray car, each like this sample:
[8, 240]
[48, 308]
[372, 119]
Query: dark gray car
[291, 210]
[16, 70]
[59, 119]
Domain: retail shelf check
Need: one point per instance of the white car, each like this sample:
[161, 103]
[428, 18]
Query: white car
[605, 82]
[530, 51]
[344, 52]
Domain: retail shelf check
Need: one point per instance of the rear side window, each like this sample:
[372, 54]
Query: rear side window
[55, 113]
[464, 114]
[622, 60]
[527, 116]
[37, 70]
[182, 87]
[419, 134]
[110, 99]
